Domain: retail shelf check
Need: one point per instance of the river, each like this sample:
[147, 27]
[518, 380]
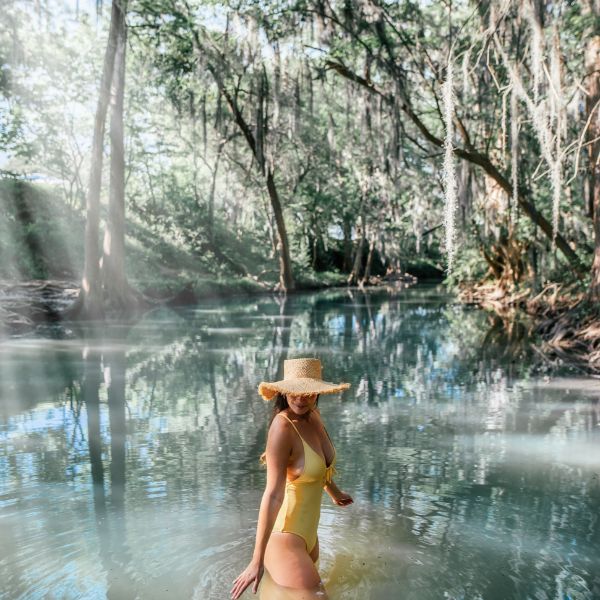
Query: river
[129, 452]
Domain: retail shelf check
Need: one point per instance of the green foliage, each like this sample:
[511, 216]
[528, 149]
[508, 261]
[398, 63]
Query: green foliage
[40, 237]
[470, 267]
[327, 90]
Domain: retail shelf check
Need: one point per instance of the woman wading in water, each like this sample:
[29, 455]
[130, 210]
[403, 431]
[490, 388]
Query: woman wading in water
[300, 460]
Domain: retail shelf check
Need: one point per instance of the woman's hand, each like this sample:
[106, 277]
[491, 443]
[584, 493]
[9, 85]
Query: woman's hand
[341, 498]
[252, 573]
[337, 496]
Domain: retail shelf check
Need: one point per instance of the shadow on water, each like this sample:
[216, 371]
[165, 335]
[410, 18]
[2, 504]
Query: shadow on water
[129, 461]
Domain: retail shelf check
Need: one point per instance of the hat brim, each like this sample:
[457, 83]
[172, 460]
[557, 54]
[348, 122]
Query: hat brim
[301, 386]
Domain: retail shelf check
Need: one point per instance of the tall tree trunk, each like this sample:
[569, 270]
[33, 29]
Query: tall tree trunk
[211, 196]
[368, 264]
[194, 145]
[592, 87]
[314, 239]
[347, 231]
[90, 299]
[25, 214]
[286, 278]
[118, 292]
[311, 241]
[354, 276]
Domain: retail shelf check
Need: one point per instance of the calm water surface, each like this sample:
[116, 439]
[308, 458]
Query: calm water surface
[129, 456]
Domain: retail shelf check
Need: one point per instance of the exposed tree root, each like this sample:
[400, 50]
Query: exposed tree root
[126, 304]
[25, 304]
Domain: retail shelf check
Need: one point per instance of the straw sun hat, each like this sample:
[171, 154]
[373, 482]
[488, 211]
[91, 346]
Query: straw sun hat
[301, 376]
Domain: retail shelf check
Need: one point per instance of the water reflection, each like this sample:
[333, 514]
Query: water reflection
[128, 461]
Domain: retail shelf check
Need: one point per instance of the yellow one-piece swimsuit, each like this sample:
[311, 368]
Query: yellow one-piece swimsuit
[301, 506]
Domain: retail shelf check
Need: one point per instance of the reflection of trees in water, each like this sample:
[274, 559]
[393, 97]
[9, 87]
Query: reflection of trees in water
[398, 353]
[110, 517]
[115, 371]
[441, 489]
[429, 380]
[491, 342]
[73, 376]
[90, 392]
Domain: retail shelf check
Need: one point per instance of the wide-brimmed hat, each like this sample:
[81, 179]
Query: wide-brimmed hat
[301, 376]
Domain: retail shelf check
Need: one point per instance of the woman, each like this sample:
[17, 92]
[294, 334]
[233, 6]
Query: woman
[300, 460]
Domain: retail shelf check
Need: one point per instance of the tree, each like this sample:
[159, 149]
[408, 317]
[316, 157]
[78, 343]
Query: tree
[90, 302]
[118, 294]
[592, 104]
[221, 69]
[371, 27]
[104, 283]
[198, 48]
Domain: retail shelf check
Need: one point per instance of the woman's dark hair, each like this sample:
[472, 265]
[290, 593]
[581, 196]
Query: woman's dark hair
[279, 403]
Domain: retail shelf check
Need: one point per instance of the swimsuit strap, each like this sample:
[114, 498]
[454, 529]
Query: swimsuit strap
[292, 423]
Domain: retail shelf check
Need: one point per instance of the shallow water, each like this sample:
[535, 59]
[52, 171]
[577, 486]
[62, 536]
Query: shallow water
[129, 455]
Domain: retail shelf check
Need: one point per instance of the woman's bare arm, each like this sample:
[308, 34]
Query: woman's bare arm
[279, 447]
[337, 496]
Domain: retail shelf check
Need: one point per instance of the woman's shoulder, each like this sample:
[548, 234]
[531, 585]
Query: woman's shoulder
[280, 424]
[280, 433]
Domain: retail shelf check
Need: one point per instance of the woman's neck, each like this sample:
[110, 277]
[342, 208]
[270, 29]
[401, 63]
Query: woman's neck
[304, 417]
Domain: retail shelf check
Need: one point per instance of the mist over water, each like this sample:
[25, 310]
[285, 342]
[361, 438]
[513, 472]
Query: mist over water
[129, 455]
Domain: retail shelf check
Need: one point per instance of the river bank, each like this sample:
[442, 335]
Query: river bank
[26, 304]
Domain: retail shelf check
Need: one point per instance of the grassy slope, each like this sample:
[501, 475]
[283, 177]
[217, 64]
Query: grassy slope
[42, 238]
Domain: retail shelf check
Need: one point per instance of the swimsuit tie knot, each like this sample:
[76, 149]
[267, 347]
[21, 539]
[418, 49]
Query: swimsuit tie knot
[329, 473]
